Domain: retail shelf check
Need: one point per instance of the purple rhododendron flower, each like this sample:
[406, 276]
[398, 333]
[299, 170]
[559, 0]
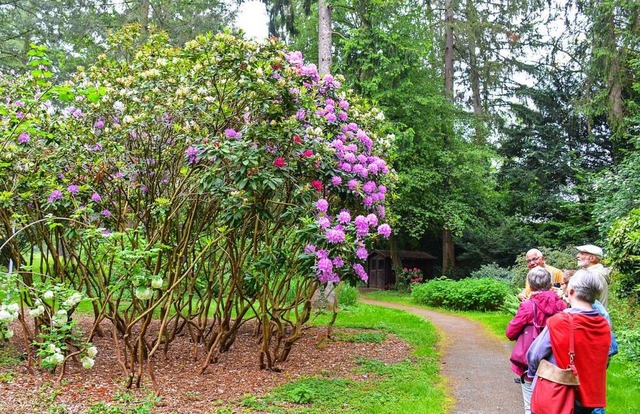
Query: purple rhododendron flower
[362, 226]
[323, 222]
[325, 265]
[336, 180]
[192, 155]
[362, 253]
[343, 116]
[369, 187]
[343, 104]
[384, 230]
[372, 219]
[309, 249]
[95, 197]
[322, 205]
[232, 133]
[353, 184]
[335, 236]
[23, 138]
[73, 189]
[301, 115]
[331, 117]
[322, 254]
[338, 262]
[55, 195]
[97, 147]
[99, 124]
[344, 217]
[360, 272]
[106, 213]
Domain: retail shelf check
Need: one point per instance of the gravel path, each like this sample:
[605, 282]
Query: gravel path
[474, 363]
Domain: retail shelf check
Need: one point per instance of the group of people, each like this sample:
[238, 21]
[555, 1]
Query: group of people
[541, 325]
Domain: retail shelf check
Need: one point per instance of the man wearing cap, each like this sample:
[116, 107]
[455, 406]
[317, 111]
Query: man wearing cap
[536, 258]
[589, 257]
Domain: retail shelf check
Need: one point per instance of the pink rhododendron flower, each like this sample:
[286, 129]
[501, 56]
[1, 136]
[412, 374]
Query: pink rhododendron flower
[279, 162]
[95, 197]
[106, 213]
[307, 153]
[336, 180]
[317, 184]
[338, 262]
[73, 189]
[372, 219]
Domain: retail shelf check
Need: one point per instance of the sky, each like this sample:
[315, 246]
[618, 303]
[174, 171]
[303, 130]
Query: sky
[252, 18]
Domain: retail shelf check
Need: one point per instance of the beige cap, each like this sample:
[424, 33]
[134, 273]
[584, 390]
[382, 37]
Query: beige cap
[591, 249]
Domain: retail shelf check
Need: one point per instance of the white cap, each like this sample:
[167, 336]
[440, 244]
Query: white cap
[591, 249]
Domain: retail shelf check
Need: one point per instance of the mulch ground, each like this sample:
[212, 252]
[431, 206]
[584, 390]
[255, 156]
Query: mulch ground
[180, 388]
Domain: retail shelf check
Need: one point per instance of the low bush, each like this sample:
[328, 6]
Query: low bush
[466, 294]
[494, 271]
[348, 295]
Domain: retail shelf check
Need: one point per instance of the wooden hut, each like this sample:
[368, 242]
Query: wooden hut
[380, 267]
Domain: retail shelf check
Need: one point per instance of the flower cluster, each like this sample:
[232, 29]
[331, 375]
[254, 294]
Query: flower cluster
[8, 314]
[407, 277]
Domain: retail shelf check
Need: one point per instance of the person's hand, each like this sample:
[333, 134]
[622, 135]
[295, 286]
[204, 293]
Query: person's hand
[522, 296]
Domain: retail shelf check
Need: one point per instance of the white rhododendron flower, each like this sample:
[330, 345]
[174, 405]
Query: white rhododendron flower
[92, 351]
[38, 311]
[72, 300]
[5, 316]
[144, 293]
[60, 318]
[156, 282]
[48, 294]
[87, 362]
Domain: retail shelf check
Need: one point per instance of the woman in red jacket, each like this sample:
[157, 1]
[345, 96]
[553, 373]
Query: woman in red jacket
[592, 337]
[542, 303]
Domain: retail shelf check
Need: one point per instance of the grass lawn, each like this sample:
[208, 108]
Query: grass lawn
[407, 387]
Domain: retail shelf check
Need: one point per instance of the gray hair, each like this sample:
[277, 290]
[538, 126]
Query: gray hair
[536, 251]
[586, 285]
[539, 279]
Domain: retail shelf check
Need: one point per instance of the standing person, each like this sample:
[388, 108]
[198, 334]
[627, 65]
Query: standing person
[592, 336]
[613, 348]
[542, 303]
[536, 258]
[589, 257]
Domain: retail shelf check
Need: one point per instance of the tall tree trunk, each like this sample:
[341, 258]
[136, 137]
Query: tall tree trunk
[474, 74]
[448, 49]
[448, 253]
[324, 37]
[144, 18]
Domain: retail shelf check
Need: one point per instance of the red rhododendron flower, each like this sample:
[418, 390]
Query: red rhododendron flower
[308, 153]
[297, 139]
[279, 162]
[317, 184]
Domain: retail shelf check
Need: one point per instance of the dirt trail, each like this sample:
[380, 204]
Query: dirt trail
[474, 362]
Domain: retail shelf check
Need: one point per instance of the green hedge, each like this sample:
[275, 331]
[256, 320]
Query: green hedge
[467, 294]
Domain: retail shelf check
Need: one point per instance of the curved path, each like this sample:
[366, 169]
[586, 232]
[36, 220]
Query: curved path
[474, 363]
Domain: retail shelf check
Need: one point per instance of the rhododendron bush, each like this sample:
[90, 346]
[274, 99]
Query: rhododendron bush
[205, 186]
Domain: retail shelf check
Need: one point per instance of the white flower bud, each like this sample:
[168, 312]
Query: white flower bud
[48, 294]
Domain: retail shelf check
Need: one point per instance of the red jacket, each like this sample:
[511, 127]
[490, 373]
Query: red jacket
[591, 344]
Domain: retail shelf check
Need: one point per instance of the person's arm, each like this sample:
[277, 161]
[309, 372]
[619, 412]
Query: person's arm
[519, 321]
[540, 349]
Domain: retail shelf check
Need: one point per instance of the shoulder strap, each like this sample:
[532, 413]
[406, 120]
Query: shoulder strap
[535, 322]
[572, 352]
